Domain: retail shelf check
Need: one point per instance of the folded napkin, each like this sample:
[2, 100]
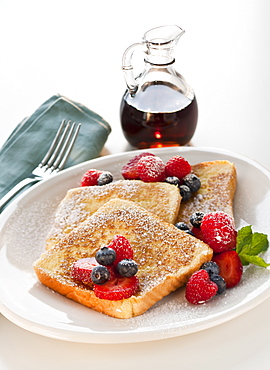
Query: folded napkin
[30, 140]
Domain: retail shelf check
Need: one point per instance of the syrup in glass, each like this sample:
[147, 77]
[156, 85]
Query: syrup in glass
[159, 116]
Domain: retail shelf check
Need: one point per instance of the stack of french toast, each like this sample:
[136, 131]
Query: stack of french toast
[89, 217]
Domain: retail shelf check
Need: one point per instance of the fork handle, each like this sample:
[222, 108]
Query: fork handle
[15, 190]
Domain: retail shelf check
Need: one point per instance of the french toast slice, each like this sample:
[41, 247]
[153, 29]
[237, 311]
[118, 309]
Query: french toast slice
[166, 257]
[162, 199]
[218, 185]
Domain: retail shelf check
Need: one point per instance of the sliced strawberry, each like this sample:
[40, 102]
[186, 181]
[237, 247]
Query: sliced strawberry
[90, 177]
[122, 248]
[129, 171]
[200, 288]
[82, 269]
[117, 289]
[230, 266]
[218, 231]
[151, 169]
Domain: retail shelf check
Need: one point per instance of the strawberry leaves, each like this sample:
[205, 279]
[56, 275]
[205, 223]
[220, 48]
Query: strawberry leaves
[249, 245]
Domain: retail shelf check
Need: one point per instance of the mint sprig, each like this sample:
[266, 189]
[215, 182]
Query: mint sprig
[249, 245]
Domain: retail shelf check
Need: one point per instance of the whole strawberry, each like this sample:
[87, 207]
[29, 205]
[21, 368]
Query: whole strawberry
[151, 169]
[177, 166]
[200, 288]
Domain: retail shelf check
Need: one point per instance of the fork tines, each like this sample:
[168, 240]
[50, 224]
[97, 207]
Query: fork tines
[61, 146]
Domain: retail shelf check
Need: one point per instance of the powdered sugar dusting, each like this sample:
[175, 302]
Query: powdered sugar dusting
[81, 202]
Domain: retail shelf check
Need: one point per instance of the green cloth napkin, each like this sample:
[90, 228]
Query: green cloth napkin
[29, 142]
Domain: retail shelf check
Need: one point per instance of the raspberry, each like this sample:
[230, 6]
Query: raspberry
[90, 177]
[151, 169]
[218, 231]
[129, 171]
[200, 288]
[117, 289]
[122, 248]
[177, 166]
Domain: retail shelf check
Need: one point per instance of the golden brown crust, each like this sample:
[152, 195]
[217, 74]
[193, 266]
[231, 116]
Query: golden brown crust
[160, 198]
[166, 257]
[218, 186]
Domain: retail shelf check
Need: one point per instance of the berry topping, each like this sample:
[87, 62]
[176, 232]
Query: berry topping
[182, 226]
[211, 267]
[90, 177]
[185, 192]
[105, 178]
[151, 169]
[200, 288]
[218, 231]
[230, 266]
[106, 256]
[82, 269]
[177, 166]
[197, 233]
[100, 275]
[173, 180]
[192, 181]
[117, 289]
[129, 171]
[221, 283]
[196, 219]
[127, 268]
[122, 248]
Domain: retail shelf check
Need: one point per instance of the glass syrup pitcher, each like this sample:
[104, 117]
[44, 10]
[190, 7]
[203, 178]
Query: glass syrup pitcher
[158, 108]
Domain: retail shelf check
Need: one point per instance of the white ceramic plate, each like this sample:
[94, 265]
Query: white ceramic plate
[27, 303]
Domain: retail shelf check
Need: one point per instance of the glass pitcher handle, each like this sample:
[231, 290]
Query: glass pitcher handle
[127, 67]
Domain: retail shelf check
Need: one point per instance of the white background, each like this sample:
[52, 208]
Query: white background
[75, 48]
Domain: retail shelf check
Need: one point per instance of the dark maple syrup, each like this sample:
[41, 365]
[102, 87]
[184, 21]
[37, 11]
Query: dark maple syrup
[151, 119]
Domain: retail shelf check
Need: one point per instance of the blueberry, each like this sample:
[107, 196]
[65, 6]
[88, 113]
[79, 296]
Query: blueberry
[127, 268]
[192, 181]
[211, 267]
[189, 232]
[173, 180]
[185, 192]
[220, 283]
[196, 219]
[105, 178]
[105, 256]
[182, 226]
[100, 275]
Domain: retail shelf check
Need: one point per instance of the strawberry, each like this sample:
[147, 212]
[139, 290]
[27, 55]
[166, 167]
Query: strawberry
[151, 169]
[81, 269]
[200, 288]
[129, 171]
[122, 248]
[177, 166]
[90, 177]
[230, 266]
[117, 289]
[218, 231]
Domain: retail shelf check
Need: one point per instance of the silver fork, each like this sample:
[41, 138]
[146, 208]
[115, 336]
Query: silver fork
[53, 161]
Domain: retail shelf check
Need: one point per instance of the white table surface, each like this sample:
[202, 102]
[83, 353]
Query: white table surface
[75, 48]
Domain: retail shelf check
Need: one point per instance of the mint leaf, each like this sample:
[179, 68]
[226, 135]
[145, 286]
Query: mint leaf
[244, 237]
[249, 245]
[255, 260]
